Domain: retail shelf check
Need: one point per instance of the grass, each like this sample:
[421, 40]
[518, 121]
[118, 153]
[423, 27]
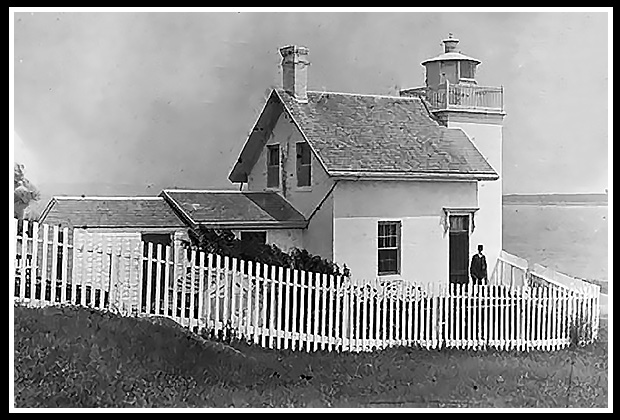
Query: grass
[76, 357]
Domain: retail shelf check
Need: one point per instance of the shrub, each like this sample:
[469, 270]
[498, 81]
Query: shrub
[223, 242]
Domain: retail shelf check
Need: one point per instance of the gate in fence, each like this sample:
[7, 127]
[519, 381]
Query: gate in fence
[280, 307]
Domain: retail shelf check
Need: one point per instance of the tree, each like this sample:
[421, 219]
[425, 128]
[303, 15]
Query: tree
[24, 191]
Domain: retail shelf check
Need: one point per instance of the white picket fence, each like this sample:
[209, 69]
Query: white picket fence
[285, 308]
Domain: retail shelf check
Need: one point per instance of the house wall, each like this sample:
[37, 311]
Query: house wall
[418, 205]
[317, 239]
[485, 131]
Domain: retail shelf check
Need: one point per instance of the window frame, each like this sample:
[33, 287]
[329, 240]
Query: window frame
[300, 165]
[471, 75]
[273, 168]
[397, 248]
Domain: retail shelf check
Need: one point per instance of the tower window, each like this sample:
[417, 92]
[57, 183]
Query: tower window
[467, 70]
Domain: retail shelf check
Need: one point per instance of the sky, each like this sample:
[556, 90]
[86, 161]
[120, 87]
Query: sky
[154, 100]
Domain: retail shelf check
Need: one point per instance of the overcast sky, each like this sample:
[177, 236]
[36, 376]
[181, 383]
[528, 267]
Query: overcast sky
[167, 99]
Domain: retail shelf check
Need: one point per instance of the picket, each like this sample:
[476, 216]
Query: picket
[248, 331]
[63, 265]
[256, 285]
[338, 313]
[309, 311]
[315, 315]
[302, 309]
[330, 326]
[294, 324]
[351, 343]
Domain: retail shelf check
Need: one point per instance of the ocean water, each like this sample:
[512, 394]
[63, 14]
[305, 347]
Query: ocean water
[570, 239]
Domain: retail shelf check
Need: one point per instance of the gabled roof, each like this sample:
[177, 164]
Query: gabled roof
[234, 209]
[369, 136]
[110, 212]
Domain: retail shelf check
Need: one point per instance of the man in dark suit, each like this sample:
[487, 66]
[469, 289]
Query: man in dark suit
[478, 267]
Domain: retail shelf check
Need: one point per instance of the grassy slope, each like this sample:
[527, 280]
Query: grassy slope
[80, 358]
[572, 240]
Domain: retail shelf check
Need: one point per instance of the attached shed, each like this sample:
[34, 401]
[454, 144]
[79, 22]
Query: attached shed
[266, 215]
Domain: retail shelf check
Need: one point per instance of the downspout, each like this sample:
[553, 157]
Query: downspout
[318, 207]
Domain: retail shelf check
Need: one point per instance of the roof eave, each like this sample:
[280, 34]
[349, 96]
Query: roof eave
[236, 174]
[234, 225]
[426, 176]
[47, 209]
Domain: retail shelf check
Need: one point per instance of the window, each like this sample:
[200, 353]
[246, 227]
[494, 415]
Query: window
[303, 165]
[467, 70]
[260, 237]
[273, 165]
[389, 248]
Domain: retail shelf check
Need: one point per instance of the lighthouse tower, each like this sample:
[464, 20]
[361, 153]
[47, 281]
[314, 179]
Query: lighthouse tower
[455, 98]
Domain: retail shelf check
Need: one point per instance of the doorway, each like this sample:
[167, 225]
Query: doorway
[459, 249]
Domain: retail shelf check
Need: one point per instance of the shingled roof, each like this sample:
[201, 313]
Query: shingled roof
[369, 135]
[234, 209]
[110, 212]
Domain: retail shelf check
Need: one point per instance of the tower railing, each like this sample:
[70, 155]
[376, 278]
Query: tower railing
[449, 96]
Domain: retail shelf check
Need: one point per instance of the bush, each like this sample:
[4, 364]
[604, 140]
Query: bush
[224, 243]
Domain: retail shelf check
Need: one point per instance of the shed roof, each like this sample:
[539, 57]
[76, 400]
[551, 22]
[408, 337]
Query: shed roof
[110, 212]
[234, 209]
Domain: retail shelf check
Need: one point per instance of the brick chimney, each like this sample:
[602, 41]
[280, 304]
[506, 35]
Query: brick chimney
[295, 72]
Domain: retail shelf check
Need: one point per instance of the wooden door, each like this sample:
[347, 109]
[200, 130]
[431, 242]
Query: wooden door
[459, 249]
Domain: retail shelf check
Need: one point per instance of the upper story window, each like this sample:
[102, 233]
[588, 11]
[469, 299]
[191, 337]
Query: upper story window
[389, 248]
[303, 164]
[273, 165]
